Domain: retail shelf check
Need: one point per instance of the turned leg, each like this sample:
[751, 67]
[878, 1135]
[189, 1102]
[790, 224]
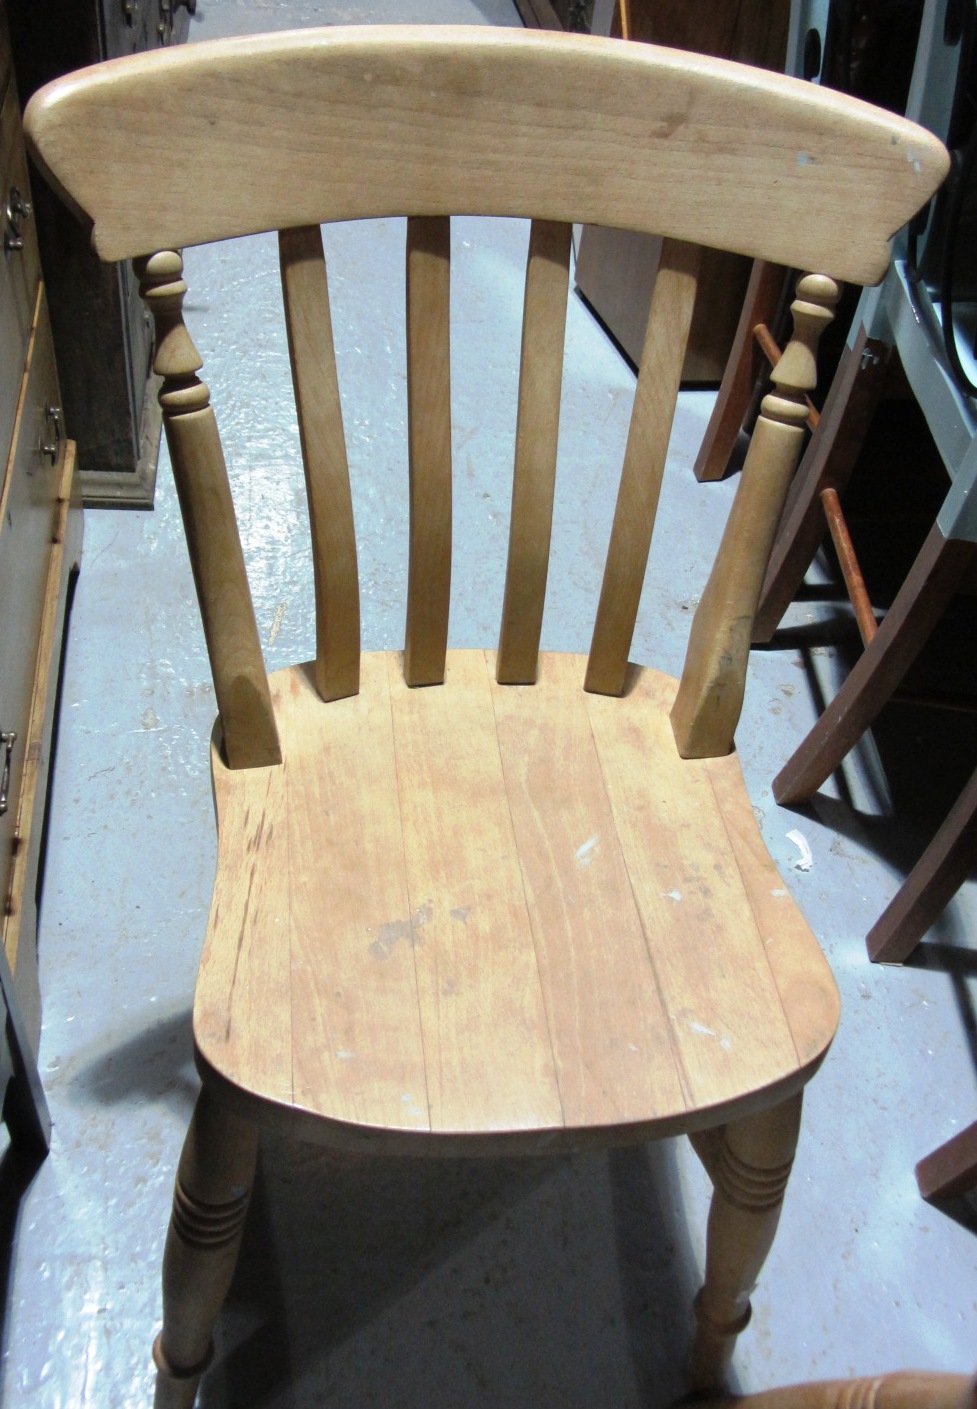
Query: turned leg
[213, 1185]
[750, 1174]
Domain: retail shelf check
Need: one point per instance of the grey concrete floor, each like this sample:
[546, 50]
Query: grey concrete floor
[551, 1283]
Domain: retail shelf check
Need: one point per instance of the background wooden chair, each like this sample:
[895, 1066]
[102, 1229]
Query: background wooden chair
[503, 913]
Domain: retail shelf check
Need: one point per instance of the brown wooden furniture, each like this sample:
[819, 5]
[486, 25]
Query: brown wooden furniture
[40, 543]
[906, 1389]
[502, 912]
[616, 269]
[102, 338]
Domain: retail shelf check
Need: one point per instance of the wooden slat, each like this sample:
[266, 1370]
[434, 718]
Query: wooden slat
[537, 429]
[486, 1044]
[356, 1043]
[644, 463]
[609, 1032]
[726, 1015]
[344, 123]
[320, 417]
[429, 432]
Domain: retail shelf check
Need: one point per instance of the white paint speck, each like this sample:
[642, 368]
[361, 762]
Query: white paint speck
[698, 1027]
[725, 1044]
[778, 893]
[346, 1056]
[806, 860]
[587, 852]
[632, 1047]
[675, 895]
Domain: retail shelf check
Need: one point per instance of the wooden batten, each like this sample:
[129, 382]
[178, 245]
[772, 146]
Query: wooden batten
[240, 683]
[312, 354]
[429, 436]
[644, 464]
[537, 430]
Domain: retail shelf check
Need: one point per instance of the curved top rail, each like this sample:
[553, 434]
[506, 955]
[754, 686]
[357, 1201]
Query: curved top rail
[235, 136]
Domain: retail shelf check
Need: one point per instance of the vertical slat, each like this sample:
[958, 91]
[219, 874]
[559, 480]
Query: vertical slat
[310, 348]
[240, 682]
[429, 433]
[710, 696]
[537, 428]
[644, 464]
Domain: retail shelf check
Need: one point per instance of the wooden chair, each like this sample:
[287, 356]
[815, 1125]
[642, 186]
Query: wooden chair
[504, 913]
[907, 1389]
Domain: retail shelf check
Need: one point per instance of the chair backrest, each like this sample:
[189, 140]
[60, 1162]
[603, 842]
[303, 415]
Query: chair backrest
[288, 131]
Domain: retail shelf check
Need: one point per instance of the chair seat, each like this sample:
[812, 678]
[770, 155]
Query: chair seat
[510, 912]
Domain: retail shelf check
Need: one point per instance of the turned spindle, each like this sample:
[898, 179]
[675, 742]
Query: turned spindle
[710, 697]
[250, 736]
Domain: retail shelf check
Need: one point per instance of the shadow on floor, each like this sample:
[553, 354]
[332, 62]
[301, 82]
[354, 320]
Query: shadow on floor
[373, 1281]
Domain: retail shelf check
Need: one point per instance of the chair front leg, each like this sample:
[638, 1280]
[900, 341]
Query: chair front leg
[750, 1173]
[213, 1186]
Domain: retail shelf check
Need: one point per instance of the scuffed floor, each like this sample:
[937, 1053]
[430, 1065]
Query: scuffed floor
[553, 1283]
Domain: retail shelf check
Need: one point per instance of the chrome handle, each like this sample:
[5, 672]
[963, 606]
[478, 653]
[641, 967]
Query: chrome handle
[7, 739]
[52, 448]
[15, 210]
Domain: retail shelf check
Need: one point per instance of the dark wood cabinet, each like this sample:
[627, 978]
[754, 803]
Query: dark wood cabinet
[102, 341]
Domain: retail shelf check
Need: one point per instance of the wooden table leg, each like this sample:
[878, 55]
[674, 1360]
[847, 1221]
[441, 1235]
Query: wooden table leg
[750, 1176]
[213, 1186]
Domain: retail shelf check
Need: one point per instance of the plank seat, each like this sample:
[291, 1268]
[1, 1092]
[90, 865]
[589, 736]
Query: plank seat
[532, 866]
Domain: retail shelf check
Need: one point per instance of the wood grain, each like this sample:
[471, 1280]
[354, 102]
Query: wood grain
[537, 430]
[644, 466]
[440, 120]
[514, 905]
[219, 573]
[429, 437]
[320, 415]
[707, 707]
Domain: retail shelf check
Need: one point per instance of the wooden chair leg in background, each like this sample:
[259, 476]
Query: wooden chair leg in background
[749, 1170]
[938, 572]
[213, 1186]
[827, 463]
[746, 364]
[950, 1170]
[931, 884]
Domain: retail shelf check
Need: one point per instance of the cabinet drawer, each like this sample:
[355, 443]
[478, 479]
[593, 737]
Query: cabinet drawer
[27, 517]
[20, 269]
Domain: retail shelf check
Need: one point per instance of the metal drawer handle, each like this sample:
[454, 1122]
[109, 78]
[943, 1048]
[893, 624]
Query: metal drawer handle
[7, 740]
[16, 210]
[52, 448]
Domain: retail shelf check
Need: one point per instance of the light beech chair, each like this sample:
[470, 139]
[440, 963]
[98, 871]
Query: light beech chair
[527, 908]
[906, 1389]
